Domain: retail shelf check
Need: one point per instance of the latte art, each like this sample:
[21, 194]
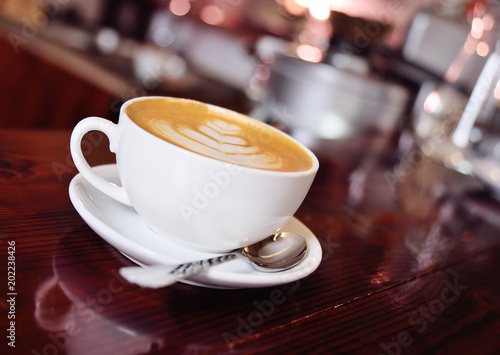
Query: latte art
[220, 135]
[218, 140]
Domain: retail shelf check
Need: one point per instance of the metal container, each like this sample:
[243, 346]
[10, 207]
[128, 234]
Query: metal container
[326, 102]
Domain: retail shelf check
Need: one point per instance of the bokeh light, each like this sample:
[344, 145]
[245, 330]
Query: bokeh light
[319, 9]
[179, 7]
[212, 14]
[482, 49]
[309, 53]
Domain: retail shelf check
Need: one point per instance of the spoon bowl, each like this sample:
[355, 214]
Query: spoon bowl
[278, 252]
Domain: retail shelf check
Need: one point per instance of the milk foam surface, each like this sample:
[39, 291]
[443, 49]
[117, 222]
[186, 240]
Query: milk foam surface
[224, 136]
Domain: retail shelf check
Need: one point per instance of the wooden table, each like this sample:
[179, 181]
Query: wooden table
[410, 266]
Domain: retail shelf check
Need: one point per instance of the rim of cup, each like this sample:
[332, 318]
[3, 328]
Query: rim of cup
[314, 159]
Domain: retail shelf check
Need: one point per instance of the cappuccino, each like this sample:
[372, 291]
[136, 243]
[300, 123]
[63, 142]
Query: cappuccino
[183, 167]
[219, 134]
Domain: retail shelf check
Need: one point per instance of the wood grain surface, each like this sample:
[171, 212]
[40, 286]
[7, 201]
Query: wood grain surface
[411, 260]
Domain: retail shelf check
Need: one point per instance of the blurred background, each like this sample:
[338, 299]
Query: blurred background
[63, 60]
[323, 70]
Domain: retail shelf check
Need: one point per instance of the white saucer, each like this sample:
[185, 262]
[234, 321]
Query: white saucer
[122, 227]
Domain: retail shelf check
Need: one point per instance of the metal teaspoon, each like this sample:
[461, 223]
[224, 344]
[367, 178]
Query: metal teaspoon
[279, 251]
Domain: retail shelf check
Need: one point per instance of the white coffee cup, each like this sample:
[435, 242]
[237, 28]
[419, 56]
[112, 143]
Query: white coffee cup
[192, 199]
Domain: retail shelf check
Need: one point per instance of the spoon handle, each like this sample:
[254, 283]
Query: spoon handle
[164, 275]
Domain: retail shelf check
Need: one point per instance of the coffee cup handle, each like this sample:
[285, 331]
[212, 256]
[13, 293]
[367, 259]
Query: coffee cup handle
[113, 132]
